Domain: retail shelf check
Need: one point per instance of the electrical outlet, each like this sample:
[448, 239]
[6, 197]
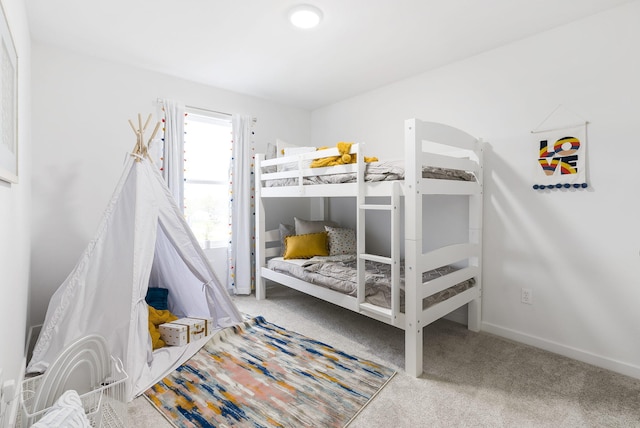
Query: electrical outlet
[526, 296]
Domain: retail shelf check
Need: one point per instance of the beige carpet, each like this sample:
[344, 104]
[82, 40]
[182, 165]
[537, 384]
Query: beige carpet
[470, 380]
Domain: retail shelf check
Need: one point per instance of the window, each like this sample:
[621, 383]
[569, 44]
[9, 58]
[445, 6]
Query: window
[207, 150]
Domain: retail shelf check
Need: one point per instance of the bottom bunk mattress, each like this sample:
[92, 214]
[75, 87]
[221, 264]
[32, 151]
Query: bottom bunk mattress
[339, 273]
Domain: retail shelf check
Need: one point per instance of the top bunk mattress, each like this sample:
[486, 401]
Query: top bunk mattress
[376, 171]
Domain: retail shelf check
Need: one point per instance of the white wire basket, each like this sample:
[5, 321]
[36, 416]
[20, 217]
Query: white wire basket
[105, 407]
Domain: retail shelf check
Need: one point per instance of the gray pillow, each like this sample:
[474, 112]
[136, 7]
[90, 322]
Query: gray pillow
[285, 230]
[270, 154]
[311, 226]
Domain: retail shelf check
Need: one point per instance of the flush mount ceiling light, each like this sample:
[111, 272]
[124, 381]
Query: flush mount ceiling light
[305, 16]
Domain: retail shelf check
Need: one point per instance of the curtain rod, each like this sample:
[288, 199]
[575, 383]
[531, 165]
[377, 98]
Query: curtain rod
[208, 111]
[159, 101]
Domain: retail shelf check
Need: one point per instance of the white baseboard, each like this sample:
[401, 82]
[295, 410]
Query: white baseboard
[11, 414]
[567, 351]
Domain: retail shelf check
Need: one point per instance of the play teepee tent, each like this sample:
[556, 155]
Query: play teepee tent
[143, 241]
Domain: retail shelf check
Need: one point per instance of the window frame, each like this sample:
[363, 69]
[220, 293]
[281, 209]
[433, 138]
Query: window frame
[202, 115]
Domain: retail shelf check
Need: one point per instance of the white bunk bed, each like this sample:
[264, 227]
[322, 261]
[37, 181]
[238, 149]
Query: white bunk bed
[419, 152]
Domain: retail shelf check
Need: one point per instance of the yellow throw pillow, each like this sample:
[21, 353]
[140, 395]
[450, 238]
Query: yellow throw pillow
[305, 246]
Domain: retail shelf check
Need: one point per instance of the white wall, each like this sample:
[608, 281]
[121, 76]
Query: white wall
[15, 200]
[81, 136]
[576, 250]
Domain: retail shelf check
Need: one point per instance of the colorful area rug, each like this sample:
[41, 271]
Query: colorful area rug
[257, 374]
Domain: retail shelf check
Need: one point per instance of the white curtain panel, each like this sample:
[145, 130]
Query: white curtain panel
[241, 249]
[173, 163]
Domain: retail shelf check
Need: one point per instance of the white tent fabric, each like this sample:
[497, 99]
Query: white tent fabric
[143, 240]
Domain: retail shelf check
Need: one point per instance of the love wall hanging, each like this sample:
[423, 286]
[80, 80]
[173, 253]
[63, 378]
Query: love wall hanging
[561, 156]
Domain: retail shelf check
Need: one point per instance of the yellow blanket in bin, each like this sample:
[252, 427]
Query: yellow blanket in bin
[343, 159]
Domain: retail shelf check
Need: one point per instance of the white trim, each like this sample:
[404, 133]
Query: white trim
[564, 350]
[11, 412]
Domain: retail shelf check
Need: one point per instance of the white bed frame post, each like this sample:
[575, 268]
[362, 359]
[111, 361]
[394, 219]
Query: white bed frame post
[360, 227]
[261, 290]
[474, 307]
[395, 252]
[412, 248]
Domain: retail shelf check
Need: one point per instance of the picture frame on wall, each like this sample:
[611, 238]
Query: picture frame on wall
[8, 103]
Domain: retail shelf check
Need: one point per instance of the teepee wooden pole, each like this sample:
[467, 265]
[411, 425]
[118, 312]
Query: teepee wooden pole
[146, 123]
[135, 131]
[155, 131]
[141, 149]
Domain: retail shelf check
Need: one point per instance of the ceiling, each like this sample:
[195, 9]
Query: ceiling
[247, 46]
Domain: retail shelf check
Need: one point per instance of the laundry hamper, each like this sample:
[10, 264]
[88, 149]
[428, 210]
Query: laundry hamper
[105, 406]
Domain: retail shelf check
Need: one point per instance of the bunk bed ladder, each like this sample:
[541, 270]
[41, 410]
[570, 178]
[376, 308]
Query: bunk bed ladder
[388, 315]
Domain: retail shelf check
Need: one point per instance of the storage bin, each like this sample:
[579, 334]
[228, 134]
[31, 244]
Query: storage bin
[105, 407]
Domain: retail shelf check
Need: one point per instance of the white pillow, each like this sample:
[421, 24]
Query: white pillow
[280, 146]
[292, 151]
